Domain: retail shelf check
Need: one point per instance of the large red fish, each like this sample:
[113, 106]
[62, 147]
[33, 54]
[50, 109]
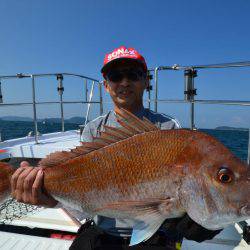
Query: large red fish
[145, 174]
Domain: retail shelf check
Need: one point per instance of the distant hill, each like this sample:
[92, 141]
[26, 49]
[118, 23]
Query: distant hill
[16, 118]
[230, 128]
[75, 119]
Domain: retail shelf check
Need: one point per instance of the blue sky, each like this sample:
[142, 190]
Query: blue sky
[73, 36]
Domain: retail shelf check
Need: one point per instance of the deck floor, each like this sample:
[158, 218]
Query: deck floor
[14, 241]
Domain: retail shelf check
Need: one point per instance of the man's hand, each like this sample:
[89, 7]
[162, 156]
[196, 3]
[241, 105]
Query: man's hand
[27, 186]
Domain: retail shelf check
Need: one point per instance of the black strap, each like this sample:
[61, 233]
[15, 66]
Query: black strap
[102, 123]
[91, 237]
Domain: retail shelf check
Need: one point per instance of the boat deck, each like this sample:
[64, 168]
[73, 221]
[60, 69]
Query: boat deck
[15, 241]
[26, 147]
[229, 239]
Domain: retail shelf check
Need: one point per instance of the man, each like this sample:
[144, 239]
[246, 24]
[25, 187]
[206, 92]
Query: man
[125, 74]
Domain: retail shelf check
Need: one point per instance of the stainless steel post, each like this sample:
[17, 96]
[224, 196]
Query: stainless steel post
[190, 92]
[149, 98]
[1, 96]
[34, 109]
[101, 100]
[248, 155]
[192, 125]
[60, 90]
[86, 89]
[149, 88]
[156, 88]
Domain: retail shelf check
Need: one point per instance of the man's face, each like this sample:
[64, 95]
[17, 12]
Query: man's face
[126, 83]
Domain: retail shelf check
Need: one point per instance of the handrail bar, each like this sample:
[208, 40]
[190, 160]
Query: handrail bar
[191, 101]
[207, 66]
[49, 102]
[224, 102]
[60, 89]
[190, 72]
[21, 75]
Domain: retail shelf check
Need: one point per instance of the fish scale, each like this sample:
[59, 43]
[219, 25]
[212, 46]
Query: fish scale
[123, 171]
[119, 171]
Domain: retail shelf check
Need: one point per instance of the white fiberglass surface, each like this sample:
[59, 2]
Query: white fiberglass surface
[48, 143]
[19, 241]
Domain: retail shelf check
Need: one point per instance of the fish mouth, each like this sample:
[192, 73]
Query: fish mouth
[245, 210]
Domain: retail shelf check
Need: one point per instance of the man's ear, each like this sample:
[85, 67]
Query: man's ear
[106, 85]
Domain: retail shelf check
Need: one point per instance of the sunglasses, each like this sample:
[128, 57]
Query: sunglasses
[130, 74]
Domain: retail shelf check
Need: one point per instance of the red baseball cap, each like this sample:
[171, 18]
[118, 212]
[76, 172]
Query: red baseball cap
[120, 54]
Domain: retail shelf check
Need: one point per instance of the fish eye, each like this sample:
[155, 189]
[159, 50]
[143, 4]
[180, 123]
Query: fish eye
[225, 175]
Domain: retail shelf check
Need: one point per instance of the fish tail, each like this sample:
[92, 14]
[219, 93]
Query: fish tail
[5, 173]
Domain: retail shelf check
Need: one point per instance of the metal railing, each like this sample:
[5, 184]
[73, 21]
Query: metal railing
[190, 72]
[60, 89]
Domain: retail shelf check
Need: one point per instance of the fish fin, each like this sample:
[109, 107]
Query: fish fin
[149, 215]
[136, 123]
[160, 205]
[131, 125]
[150, 220]
[55, 158]
[149, 124]
[115, 132]
[144, 229]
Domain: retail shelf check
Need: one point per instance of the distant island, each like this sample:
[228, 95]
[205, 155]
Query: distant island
[81, 120]
[230, 128]
[75, 119]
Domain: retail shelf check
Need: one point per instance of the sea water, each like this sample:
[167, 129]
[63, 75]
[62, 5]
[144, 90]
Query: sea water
[235, 140]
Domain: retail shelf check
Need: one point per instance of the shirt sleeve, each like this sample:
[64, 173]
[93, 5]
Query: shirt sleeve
[87, 135]
[172, 124]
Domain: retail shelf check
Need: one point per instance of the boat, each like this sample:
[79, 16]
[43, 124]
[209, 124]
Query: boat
[56, 228]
